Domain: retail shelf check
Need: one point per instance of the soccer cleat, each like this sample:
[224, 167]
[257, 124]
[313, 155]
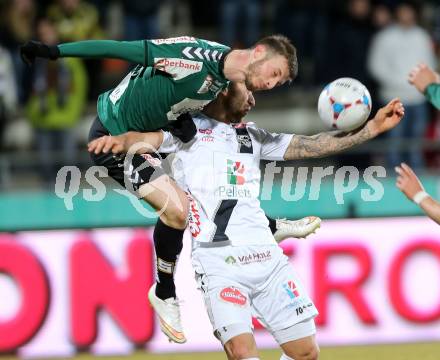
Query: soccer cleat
[296, 228]
[168, 312]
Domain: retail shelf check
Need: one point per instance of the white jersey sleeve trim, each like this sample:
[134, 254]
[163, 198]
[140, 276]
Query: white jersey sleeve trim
[273, 145]
[169, 144]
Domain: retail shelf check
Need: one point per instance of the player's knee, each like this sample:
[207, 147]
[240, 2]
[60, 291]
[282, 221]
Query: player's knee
[309, 352]
[238, 350]
[175, 218]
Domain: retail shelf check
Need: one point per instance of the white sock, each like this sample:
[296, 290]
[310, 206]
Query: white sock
[252, 359]
[285, 357]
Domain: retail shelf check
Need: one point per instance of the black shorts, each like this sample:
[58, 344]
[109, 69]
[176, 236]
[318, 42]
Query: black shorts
[140, 170]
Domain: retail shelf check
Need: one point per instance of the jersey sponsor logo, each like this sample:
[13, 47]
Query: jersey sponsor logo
[178, 68]
[175, 40]
[235, 172]
[206, 86]
[236, 177]
[205, 131]
[207, 135]
[230, 260]
[244, 140]
[256, 257]
[210, 85]
[291, 289]
[193, 218]
[208, 138]
[203, 54]
[233, 295]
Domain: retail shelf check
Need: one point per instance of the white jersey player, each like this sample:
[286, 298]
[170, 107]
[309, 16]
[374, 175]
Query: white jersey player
[239, 266]
[240, 269]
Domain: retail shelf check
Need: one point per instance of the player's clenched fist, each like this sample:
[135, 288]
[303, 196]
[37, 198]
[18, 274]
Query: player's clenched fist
[33, 49]
[105, 144]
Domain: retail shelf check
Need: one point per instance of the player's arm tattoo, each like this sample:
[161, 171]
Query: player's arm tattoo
[325, 143]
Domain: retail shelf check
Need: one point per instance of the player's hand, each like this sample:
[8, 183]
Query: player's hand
[105, 144]
[387, 117]
[407, 181]
[33, 49]
[421, 76]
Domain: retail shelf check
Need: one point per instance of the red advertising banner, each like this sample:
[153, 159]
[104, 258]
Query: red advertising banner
[372, 280]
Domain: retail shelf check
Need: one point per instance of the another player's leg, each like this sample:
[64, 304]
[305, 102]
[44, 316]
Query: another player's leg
[171, 202]
[283, 228]
[162, 193]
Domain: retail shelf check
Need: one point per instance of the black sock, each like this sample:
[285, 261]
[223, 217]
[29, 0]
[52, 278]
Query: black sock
[272, 224]
[168, 243]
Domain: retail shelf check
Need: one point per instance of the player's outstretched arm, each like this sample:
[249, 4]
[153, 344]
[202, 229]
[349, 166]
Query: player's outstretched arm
[410, 185]
[133, 142]
[327, 143]
[133, 51]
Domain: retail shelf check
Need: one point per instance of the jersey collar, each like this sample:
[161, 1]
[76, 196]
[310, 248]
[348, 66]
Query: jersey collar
[221, 64]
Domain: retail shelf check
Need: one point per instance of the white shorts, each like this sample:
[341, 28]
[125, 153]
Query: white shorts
[238, 282]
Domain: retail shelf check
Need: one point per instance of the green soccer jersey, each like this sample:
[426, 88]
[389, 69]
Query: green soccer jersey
[174, 76]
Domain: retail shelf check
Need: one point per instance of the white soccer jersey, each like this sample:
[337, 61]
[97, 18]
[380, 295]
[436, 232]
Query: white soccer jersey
[220, 168]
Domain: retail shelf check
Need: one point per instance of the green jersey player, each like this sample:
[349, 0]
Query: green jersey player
[174, 77]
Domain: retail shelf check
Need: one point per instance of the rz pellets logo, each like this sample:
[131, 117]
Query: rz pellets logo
[235, 172]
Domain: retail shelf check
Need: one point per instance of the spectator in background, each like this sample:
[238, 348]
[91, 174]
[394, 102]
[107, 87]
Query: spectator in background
[77, 20]
[141, 19]
[393, 52]
[8, 90]
[55, 107]
[352, 37]
[306, 23]
[240, 17]
[381, 16]
[16, 27]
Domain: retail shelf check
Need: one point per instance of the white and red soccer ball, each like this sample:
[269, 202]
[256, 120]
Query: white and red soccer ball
[344, 104]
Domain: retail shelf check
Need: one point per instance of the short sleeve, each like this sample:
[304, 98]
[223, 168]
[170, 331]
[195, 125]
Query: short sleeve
[170, 143]
[273, 145]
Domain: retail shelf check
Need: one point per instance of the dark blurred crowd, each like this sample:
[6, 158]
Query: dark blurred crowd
[356, 38]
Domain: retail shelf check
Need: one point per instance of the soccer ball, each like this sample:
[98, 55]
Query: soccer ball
[344, 104]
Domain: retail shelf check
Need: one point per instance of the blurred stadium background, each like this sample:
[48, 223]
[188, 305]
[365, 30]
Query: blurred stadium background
[73, 282]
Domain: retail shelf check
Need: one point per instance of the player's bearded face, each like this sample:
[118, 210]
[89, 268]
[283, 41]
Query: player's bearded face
[266, 73]
[239, 101]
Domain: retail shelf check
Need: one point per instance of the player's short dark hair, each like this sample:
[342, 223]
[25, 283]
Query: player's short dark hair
[281, 45]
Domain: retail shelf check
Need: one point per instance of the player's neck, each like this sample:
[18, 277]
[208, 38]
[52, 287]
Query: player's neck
[236, 64]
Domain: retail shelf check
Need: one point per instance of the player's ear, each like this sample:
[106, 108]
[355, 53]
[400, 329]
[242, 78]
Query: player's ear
[259, 52]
